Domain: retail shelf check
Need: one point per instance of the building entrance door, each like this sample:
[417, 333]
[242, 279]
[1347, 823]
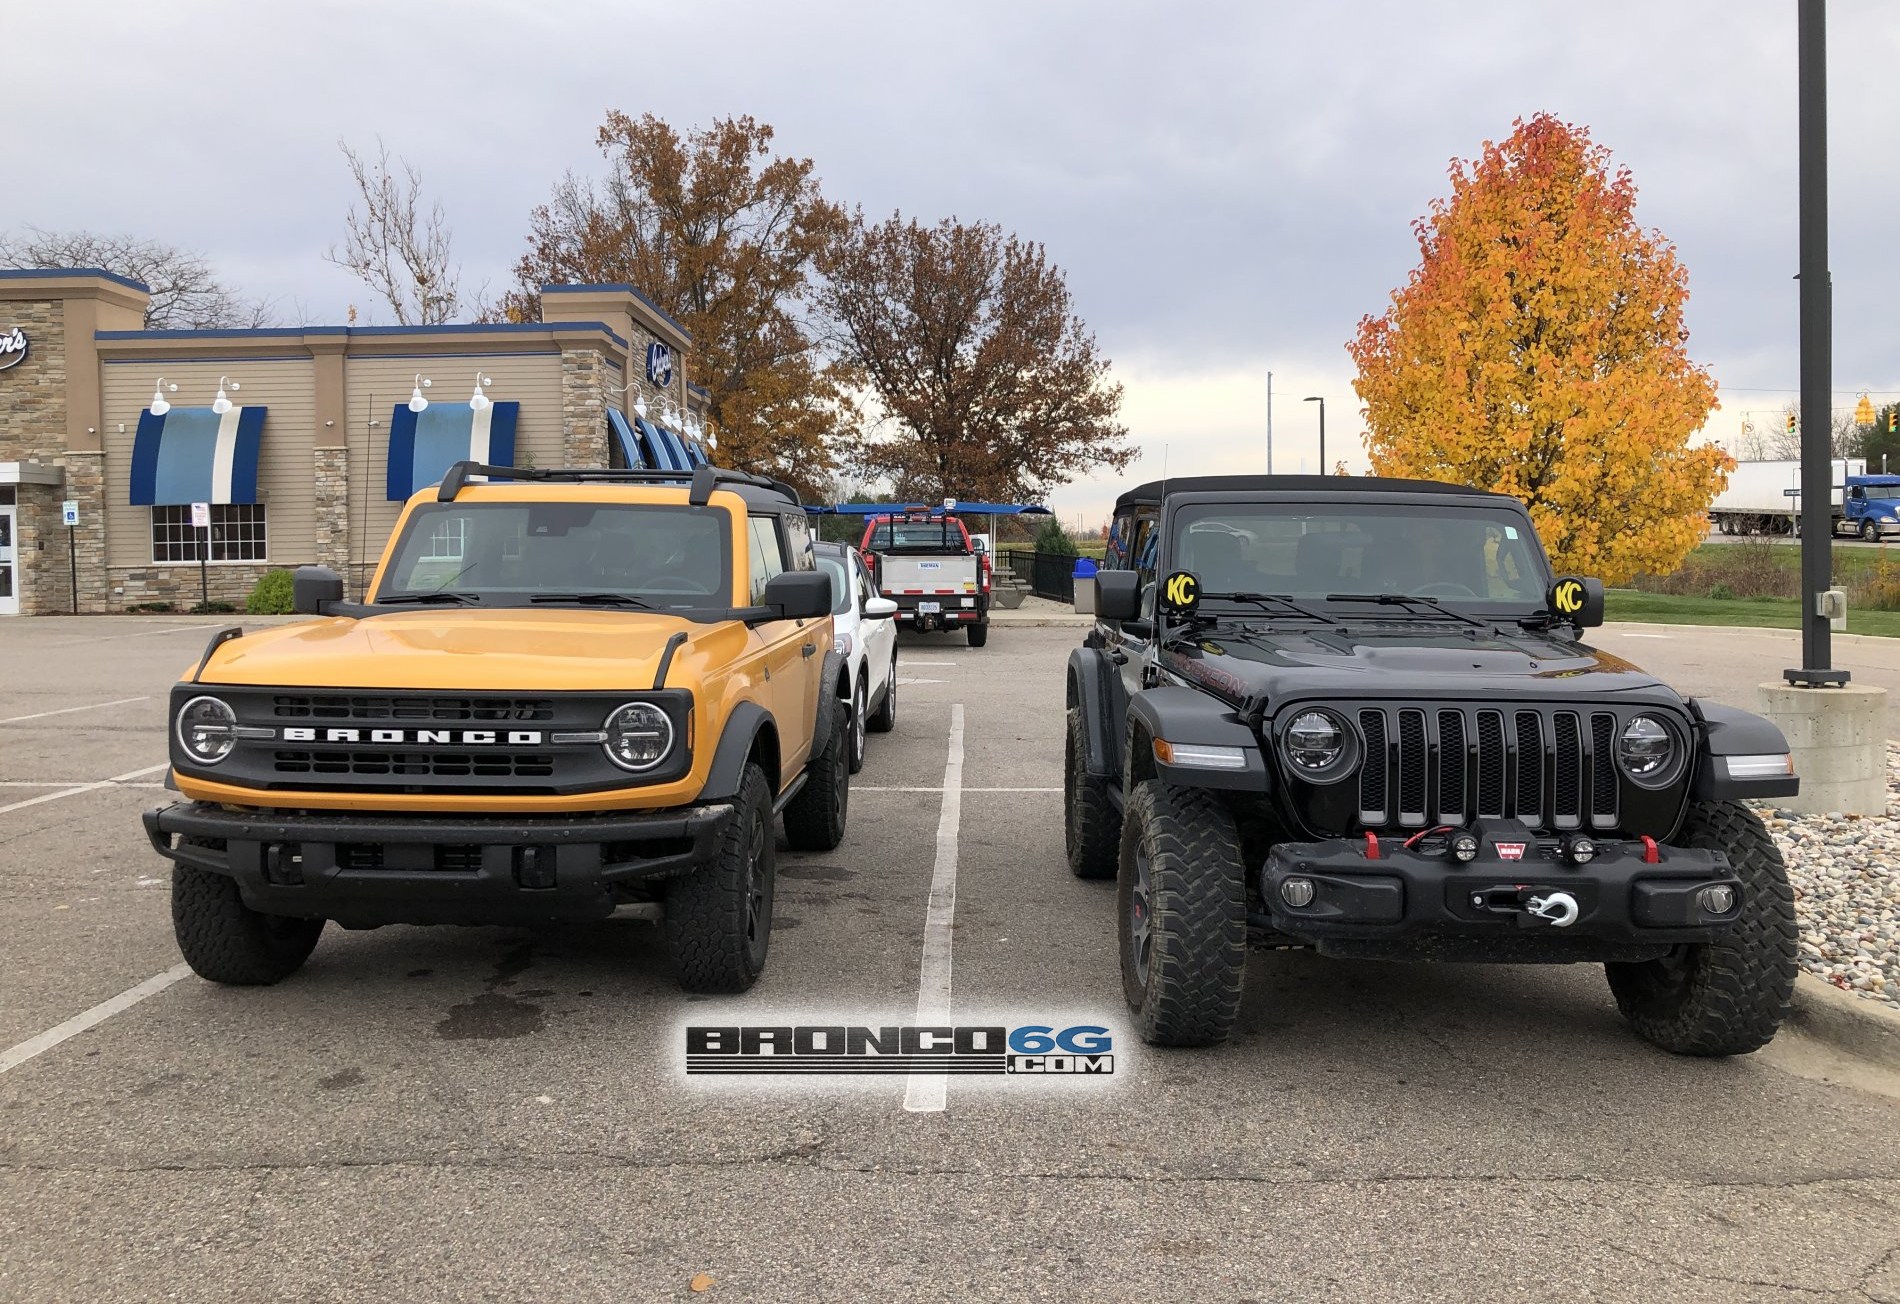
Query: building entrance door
[9, 563]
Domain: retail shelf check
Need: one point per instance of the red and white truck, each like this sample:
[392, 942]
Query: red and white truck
[926, 563]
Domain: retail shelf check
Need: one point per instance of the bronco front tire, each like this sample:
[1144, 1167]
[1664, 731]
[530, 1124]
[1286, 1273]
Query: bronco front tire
[225, 941]
[1094, 826]
[719, 916]
[1726, 997]
[814, 821]
[1182, 910]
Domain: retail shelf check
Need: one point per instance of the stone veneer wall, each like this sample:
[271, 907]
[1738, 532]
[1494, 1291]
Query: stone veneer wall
[583, 408]
[333, 511]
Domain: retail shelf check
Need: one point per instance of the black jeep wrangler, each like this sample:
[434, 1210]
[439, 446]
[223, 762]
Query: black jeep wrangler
[1355, 715]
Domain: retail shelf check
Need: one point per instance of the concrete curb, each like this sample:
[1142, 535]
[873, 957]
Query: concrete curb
[1626, 626]
[1853, 1025]
[1042, 622]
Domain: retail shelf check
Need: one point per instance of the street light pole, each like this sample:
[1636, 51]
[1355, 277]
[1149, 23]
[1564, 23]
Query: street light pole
[1315, 398]
[1817, 355]
[1269, 423]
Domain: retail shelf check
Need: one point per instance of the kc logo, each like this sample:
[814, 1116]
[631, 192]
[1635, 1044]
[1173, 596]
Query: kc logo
[1181, 593]
[1570, 596]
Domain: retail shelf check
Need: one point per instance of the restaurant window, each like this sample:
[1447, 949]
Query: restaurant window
[237, 533]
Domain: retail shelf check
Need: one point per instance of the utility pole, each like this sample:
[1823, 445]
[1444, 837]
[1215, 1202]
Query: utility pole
[1817, 356]
[1315, 398]
[1269, 423]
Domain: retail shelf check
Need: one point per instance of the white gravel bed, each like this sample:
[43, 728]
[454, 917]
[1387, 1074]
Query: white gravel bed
[1846, 875]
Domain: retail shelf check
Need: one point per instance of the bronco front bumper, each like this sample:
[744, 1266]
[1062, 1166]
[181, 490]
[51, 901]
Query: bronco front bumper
[364, 871]
[1520, 899]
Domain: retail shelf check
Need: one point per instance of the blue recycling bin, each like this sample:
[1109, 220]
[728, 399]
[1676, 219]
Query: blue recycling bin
[1084, 577]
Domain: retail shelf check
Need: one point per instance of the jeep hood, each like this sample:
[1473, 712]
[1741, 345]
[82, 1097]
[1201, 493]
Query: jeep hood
[547, 649]
[1407, 660]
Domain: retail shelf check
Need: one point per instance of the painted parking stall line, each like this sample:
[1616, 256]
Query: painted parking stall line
[14, 1056]
[69, 710]
[925, 1092]
[74, 791]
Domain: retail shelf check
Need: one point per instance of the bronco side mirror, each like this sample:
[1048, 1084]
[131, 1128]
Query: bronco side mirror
[1577, 600]
[1117, 594]
[313, 588]
[799, 595]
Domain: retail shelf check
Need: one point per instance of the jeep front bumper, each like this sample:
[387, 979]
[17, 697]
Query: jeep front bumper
[364, 871]
[1631, 900]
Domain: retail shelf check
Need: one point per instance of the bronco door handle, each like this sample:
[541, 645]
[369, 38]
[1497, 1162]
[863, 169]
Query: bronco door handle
[807, 650]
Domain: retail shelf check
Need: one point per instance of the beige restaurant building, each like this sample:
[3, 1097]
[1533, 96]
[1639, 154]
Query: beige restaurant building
[298, 443]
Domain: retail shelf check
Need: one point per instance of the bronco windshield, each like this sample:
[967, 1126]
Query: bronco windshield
[655, 555]
[1462, 556]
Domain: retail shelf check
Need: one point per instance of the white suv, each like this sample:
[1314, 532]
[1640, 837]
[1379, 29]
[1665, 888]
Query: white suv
[866, 637]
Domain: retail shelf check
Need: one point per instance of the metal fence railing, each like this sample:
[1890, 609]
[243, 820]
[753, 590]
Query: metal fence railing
[1048, 575]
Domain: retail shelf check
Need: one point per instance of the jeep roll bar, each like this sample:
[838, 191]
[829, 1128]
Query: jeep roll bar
[703, 479]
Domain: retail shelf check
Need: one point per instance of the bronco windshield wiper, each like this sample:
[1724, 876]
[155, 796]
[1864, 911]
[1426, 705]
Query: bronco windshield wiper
[1402, 599]
[1281, 598]
[433, 595]
[594, 599]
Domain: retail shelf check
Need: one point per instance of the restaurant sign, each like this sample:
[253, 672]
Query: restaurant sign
[12, 347]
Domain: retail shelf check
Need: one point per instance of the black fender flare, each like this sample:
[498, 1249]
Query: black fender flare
[1186, 716]
[1730, 731]
[747, 721]
[1090, 677]
[821, 722]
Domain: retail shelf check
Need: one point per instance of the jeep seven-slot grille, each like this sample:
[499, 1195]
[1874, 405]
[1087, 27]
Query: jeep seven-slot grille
[1553, 769]
[355, 706]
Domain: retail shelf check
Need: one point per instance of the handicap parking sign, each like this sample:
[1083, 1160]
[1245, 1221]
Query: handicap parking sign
[69, 510]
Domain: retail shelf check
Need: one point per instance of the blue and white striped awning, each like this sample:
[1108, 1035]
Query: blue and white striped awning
[195, 455]
[666, 446]
[424, 445]
[633, 448]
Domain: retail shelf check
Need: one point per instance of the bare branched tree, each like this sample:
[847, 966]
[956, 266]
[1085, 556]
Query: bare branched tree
[1762, 442]
[186, 292]
[403, 252]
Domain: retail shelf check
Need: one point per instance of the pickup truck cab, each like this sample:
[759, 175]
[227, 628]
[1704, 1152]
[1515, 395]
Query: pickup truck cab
[569, 694]
[926, 563]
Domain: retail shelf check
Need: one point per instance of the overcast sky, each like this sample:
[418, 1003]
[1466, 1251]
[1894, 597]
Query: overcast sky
[1229, 187]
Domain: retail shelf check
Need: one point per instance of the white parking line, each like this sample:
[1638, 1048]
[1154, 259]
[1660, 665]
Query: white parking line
[85, 787]
[924, 1092]
[858, 788]
[14, 1056]
[112, 638]
[68, 710]
[65, 783]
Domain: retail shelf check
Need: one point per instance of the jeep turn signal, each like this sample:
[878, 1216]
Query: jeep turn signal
[1200, 756]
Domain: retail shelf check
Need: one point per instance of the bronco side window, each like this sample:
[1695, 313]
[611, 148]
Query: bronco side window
[798, 540]
[768, 557]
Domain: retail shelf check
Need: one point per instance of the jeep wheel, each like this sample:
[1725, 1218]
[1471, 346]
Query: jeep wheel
[719, 916]
[1182, 907]
[859, 724]
[979, 633]
[226, 941]
[1094, 826]
[1726, 997]
[885, 717]
[815, 819]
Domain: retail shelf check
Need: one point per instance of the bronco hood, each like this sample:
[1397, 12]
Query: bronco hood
[549, 649]
[1405, 659]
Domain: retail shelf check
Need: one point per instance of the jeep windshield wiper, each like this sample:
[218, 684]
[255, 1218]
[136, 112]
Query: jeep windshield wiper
[433, 595]
[1412, 599]
[1264, 598]
[594, 599]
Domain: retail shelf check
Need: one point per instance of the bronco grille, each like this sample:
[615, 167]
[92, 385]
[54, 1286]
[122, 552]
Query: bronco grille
[1553, 769]
[355, 706]
[434, 765]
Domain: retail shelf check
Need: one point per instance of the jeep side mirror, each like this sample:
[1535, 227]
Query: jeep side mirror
[1577, 600]
[313, 588]
[1117, 594]
[799, 595]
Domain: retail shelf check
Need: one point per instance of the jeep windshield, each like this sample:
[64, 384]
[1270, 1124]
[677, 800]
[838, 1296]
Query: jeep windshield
[1392, 560]
[506, 554]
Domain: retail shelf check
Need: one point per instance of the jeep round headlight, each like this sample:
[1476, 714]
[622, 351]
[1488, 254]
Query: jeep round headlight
[1647, 751]
[207, 729]
[639, 735]
[1317, 745]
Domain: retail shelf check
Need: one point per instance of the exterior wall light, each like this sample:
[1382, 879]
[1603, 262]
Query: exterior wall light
[417, 402]
[220, 405]
[160, 406]
[478, 400]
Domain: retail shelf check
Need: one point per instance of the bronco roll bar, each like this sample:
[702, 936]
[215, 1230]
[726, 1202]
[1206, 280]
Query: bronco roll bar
[703, 480]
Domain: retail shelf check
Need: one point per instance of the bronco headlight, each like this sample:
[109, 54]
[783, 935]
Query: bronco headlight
[1648, 751]
[206, 729]
[1318, 745]
[639, 736]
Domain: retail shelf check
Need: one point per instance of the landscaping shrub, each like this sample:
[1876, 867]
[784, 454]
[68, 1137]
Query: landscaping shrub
[1052, 538]
[271, 595]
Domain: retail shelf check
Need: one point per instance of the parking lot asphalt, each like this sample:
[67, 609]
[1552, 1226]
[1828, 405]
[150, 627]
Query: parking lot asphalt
[490, 1114]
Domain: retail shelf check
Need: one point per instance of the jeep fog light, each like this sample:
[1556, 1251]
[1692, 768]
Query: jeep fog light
[1580, 850]
[1298, 892]
[639, 736]
[1463, 847]
[1716, 898]
[207, 729]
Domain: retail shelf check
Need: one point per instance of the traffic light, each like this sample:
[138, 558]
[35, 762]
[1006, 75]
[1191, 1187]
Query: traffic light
[1893, 419]
[1791, 422]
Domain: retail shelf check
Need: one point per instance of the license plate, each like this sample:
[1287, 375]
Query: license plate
[929, 608]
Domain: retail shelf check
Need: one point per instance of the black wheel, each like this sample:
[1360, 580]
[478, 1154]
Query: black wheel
[719, 916]
[979, 633]
[226, 941]
[884, 719]
[1182, 905]
[1726, 997]
[1094, 826]
[815, 819]
[859, 706]
[1869, 532]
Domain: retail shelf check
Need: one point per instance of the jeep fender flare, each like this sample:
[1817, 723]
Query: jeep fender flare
[1090, 678]
[1730, 731]
[747, 721]
[1186, 716]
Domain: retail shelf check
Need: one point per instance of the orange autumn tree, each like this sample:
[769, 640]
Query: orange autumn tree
[1538, 350]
